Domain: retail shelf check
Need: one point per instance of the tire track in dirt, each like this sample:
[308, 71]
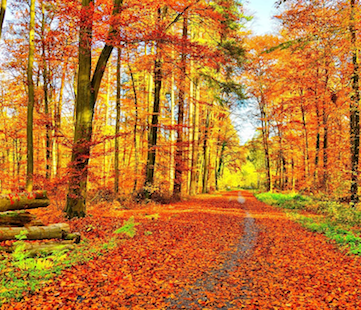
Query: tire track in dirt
[196, 295]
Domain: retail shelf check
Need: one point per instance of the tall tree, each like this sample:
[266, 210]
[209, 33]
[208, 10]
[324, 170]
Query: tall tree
[117, 121]
[153, 134]
[179, 162]
[46, 94]
[158, 78]
[354, 107]
[87, 93]
[31, 99]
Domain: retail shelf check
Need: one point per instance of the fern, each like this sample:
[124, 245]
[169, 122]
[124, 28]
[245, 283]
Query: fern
[128, 228]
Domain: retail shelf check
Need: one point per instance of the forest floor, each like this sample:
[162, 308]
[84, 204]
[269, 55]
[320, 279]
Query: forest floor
[226, 251]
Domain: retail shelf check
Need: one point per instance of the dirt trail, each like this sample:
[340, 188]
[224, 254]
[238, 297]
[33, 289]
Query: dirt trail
[196, 296]
[212, 252]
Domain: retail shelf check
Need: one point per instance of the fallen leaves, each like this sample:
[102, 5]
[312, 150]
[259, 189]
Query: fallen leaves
[193, 257]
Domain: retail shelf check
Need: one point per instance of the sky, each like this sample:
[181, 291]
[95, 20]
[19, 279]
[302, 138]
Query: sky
[262, 23]
[262, 10]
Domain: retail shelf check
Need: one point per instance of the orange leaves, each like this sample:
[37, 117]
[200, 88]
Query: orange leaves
[195, 259]
[295, 268]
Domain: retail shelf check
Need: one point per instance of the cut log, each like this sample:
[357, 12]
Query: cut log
[73, 237]
[35, 249]
[37, 199]
[53, 231]
[19, 218]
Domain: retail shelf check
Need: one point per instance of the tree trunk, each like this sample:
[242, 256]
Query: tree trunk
[325, 141]
[54, 231]
[2, 15]
[85, 103]
[58, 119]
[195, 137]
[205, 155]
[220, 163]
[265, 138]
[318, 136]
[354, 109]
[190, 126]
[172, 137]
[179, 161]
[46, 97]
[135, 129]
[153, 134]
[306, 154]
[31, 98]
[285, 177]
[117, 123]
[75, 205]
[293, 174]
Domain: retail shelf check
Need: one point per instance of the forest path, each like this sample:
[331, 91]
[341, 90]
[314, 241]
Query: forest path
[196, 296]
[211, 252]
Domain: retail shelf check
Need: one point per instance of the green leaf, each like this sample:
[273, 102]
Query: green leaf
[128, 228]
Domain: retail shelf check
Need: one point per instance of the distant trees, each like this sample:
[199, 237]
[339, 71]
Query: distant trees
[311, 82]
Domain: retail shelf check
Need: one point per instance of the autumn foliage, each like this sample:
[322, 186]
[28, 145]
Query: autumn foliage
[305, 84]
[155, 90]
[125, 110]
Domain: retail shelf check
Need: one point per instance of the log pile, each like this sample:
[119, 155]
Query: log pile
[15, 220]
[36, 199]
[35, 249]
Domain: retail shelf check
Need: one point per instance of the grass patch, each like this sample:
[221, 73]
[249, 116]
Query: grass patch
[344, 238]
[286, 201]
[20, 274]
[336, 221]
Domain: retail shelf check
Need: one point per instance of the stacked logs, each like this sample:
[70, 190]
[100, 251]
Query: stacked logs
[14, 219]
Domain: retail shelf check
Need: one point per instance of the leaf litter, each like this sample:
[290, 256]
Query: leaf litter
[210, 252]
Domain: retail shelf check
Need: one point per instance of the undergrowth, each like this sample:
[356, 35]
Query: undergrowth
[128, 228]
[338, 222]
[21, 274]
[344, 238]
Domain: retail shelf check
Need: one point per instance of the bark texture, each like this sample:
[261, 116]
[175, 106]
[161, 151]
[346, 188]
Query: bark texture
[21, 218]
[53, 231]
[23, 201]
